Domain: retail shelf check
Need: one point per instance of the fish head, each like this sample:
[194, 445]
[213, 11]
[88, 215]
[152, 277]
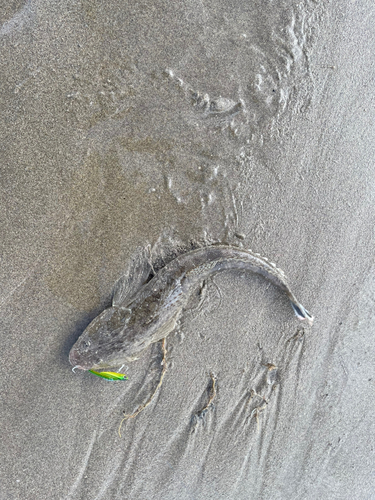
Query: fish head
[107, 341]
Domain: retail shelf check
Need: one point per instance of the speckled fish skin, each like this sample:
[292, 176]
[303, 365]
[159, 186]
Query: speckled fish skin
[121, 332]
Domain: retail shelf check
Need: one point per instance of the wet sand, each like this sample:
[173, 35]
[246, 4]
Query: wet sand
[142, 128]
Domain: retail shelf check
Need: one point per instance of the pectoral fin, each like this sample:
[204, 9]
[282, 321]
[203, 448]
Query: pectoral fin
[165, 329]
[134, 277]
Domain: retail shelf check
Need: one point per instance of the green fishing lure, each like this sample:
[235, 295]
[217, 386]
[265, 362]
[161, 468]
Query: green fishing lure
[110, 375]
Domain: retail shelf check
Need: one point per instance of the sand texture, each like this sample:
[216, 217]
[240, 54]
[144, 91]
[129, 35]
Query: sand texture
[141, 130]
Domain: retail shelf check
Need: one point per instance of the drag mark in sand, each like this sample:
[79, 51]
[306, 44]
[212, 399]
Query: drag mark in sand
[144, 405]
[200, 415]
[83, 467]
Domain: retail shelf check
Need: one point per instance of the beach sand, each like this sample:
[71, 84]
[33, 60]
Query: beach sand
[156, 127]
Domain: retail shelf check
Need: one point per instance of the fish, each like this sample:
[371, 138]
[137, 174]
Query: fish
[149, 314]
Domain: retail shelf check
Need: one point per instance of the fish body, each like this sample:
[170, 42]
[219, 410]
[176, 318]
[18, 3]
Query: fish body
[121, 332]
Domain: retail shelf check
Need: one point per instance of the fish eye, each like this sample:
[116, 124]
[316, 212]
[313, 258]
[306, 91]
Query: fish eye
[86, 344]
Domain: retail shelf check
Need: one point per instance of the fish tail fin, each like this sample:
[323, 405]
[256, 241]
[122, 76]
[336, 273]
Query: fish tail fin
[302, 313]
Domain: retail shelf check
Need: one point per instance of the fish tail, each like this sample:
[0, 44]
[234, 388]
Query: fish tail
[301, 312]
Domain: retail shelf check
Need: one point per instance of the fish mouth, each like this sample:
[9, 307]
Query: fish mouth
[76, 362]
